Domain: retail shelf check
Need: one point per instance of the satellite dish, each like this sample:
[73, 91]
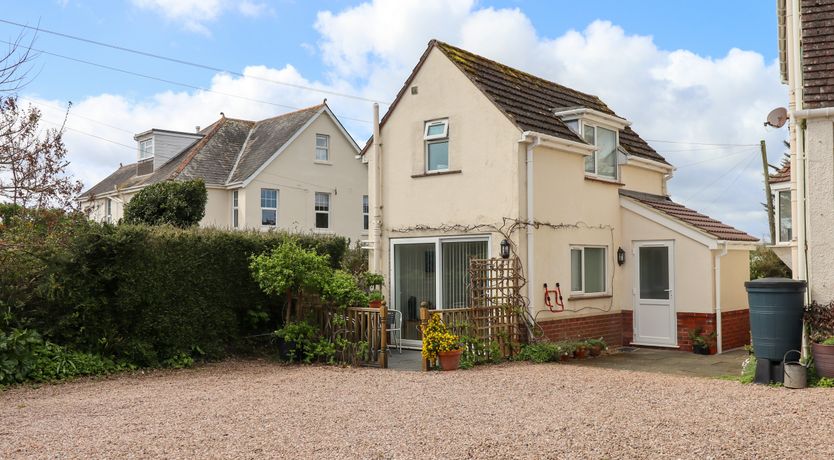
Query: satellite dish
[777, 117]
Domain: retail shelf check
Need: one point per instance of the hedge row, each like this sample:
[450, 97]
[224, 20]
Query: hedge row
[146, 294]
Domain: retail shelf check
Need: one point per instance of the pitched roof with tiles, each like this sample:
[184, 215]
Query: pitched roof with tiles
[705, 224]
[783, 174]
[230, 150]
[527, 100]
[817, 53]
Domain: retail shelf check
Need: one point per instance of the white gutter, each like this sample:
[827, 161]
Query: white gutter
[530, 222]
[822, 112]
[796, 73]
[717, 267]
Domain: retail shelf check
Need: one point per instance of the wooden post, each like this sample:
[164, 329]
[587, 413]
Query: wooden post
[424, 321]
[770, 218]
[383, 329]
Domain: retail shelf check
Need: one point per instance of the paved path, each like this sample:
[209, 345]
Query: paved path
[672, 362]
[516, 410]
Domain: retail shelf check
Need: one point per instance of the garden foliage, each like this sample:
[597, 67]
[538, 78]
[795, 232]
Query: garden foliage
[181, 204]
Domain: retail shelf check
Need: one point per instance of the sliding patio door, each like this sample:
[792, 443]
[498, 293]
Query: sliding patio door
[431, 270]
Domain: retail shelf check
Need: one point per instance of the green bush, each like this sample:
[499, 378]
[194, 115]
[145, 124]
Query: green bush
[541, 352]
[18, 355]
[181, 204]
[145, 295]
[764, 263]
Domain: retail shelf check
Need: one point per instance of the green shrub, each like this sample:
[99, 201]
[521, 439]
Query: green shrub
[764, 263]
[18, 355]
[540, 352]
[342, 289]
[181, 204]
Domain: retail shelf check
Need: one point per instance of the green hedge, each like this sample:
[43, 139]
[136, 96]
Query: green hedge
[149, 294]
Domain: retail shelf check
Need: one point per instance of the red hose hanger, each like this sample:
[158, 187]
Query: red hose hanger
[558, 305]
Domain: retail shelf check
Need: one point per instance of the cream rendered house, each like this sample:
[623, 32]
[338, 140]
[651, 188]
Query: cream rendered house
[472, 152]
[806, 40]
[298, 172]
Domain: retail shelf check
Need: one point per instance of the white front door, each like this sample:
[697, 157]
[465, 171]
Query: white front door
[655, 320]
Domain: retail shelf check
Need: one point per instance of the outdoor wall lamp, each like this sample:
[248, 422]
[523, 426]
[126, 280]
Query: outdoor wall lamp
[620, 256]
[505, 249]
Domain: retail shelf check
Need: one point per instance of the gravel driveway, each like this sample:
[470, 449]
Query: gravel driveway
[261, 410]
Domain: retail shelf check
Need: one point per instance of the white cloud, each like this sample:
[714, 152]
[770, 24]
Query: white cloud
[369, 50]
[195, 14]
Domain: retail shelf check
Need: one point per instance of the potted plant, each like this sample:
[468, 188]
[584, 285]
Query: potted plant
[819, 319]
[375, 299]
[440, 343]
[581, 350]
[596, 346]
[700, 342]
[568, 349]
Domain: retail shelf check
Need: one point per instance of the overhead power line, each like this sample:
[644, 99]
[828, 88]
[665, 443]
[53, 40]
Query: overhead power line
[701, 143]
[131, 147]
[172, 82]
[190, 63]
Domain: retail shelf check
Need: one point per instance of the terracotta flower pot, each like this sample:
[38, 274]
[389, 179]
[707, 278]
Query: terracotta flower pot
[581, 353]
[375, 303]
[449, 360]
[596, 350]
[823, 359]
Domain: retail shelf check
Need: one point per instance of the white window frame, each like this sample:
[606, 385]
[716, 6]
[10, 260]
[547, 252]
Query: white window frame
[436, 139]
[236, 210]
[594, 155]
[326, 148]
[605, 270]
[142, 143]
[777, 214]
[266, 208]
[316, 211]
[108, 210]
[366, 222]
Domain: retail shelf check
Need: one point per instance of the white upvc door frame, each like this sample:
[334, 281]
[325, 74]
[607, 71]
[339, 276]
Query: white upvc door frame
[438, 266]
[637, 301]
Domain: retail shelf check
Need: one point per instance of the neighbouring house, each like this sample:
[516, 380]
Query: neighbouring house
[806, 58]
[472, 152]
[298, 171]
[783, 208]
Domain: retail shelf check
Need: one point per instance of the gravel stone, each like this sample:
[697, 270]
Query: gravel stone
[258, 409]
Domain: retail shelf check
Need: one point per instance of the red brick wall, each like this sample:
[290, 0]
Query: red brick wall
[607, 326]
[735, 328]
[628, 327]
[691, 321]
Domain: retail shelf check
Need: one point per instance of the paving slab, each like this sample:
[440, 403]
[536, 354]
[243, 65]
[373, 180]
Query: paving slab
[673, 362]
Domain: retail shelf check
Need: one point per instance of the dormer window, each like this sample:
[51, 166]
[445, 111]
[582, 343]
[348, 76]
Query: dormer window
[603, 162]
[146, 149]
[436, 137]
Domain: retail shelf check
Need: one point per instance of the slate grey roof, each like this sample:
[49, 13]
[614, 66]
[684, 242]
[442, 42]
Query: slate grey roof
[527, 100]
[267, 137]
[231, 150]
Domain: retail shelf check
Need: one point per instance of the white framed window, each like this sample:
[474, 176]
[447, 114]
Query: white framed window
[269, 207]
[322, 209]
[365, 209]
[436, 137]
[322, 147]
[235, 214]
[603, 162]
[108, 210]
[588, 269]
[145, 149]
[784, 233]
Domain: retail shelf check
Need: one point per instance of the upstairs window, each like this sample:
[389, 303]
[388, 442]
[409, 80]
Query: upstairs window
[783, 216]
[436, 137]
[235, 216]
[322, 208]
[322, 147]
[145, 149]
[269, 207]
[365, 209]
[603, 162]
[108, 210]
[587, 270]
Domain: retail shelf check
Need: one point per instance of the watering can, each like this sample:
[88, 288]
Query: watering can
[796, 374]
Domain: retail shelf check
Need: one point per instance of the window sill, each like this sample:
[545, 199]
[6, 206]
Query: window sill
[604, 180]
[322, 162]
[323, 231]
[590, 296]
[437, 173]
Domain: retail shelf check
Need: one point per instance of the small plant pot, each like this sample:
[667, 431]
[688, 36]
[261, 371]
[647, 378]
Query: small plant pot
[449, 360]
[375, 303]
[823, 359]
[699, 349]
[582, 353]
[566, 357]
[596, 350]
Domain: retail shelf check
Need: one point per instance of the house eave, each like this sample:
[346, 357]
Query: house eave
[558, 143]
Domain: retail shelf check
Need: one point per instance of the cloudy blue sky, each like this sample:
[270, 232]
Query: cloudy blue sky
[689, 75]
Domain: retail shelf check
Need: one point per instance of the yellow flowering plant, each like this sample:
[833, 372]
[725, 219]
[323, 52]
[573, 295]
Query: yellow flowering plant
[437, 338]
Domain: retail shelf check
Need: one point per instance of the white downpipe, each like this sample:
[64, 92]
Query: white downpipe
[718, 256]
[376, 175]
[796, 83]
[530, 222]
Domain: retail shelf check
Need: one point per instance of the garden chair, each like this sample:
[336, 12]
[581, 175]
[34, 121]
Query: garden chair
[395, 325]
